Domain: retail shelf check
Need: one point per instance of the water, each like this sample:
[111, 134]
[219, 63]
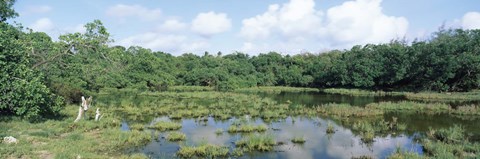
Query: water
[344, 143]
[314, 98]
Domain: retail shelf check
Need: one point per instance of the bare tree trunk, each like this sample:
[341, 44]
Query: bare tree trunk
[80, 114]
[97, 115]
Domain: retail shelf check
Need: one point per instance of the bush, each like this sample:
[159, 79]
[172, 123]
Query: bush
[22, 90]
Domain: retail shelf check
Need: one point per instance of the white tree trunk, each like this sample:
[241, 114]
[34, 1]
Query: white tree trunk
[80, 114]
[97, 115]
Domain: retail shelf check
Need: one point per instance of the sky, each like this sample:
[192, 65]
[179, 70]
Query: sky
[250, 26]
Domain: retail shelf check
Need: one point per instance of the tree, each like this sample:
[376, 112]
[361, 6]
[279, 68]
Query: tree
[22, 90]
[6, 10]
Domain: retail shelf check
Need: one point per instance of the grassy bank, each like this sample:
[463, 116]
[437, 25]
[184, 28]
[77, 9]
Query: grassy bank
[277, 89]
[66, 139]
[424, 96]
[359, 92]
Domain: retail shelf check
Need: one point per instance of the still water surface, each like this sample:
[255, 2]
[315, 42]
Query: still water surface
[344, 143]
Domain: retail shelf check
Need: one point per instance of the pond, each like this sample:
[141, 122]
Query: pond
[345, 142]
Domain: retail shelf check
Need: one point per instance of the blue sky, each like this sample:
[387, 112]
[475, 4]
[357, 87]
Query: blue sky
[251, 26]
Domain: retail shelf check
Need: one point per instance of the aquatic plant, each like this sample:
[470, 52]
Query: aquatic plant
[330, 128]
[219, 131]
[137, 126]
[276, 89]
[257, 142]
[165, 126]
[246, 128]
[176, 136]
[410, 106]
[298, 140]
[203, 151]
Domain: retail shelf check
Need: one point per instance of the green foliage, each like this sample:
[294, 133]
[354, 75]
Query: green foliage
[6, 10]
[23, 91]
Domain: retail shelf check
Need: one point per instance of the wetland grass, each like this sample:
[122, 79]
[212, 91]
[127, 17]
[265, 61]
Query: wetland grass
[298, 140]
[203, 151]
[330, 129]
[345, 110]
[257, 142]
[165, 126]
[450, 143]
[219, 131]
[246, 128]
[137, 126]
[359, 92]
[190, 88]
[447, 96]
[401, 154]
[422, 96]
[410, 106]
[176, 136]
[275, 89]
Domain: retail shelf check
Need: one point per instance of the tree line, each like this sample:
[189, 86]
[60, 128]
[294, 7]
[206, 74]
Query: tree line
[39, 74]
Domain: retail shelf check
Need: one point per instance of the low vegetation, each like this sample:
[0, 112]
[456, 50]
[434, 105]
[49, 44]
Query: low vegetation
[298, 140]
[330, 129]
[247, 128]
[203, 151]
[450, 143]
[176, 136]
[257, 142]
[65, 139]
[165, 126]
[275, 89]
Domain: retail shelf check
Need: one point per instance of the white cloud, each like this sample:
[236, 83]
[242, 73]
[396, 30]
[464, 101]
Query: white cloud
[353, 22]
[137, 11]
[172, 25]
[292, 20]
[471, 20]
[37, 9]
[75, 29]
[172, 43]
[43, 25]
[154, 41]
[211, 23]
[362, 21]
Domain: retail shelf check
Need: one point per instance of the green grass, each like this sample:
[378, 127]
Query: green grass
[448, 96]
[450, 143]
[368, 136]
[137, 126]
[219, 131]
[410, 106]
[345, 110]
[176, 136]
[359, 92]
[203, 151]
[246, 128]
[189, 88]
[330, 129]
[257, 142]
[65, 139]
[298, 140]
[165, 126]
[423, 96]
[276, 89]
[401, 154]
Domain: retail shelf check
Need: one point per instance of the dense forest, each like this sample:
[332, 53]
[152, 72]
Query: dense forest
[38, 74]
